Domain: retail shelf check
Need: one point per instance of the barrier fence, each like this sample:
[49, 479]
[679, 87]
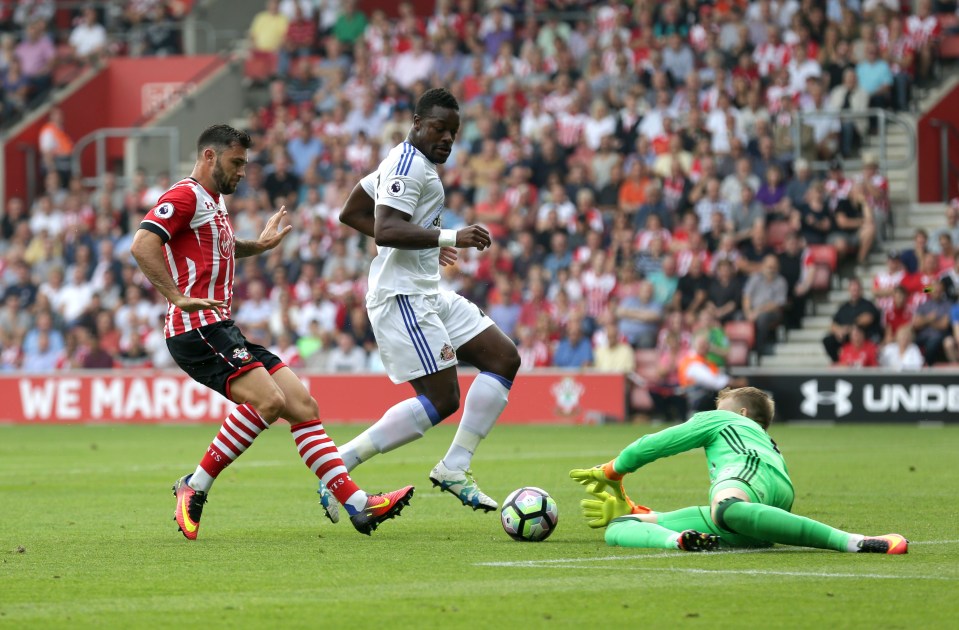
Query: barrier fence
[543, 397]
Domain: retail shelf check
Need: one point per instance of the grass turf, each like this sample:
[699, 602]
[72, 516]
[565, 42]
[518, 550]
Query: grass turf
[87, 539]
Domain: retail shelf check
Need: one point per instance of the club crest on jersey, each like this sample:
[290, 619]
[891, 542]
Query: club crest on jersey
[164, 210]
[447, 353]
[395, 187]
[242, 355]
[227, 244]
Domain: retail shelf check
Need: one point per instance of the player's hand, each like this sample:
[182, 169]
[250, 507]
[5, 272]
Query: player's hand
[448, 256]
[192, 304]
[473, 236]
[600, 479]
[604, 507]
[272, 235]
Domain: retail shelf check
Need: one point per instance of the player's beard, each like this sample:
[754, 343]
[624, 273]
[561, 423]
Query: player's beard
[223, 184]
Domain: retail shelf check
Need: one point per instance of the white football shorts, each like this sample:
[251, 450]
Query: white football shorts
[419, 334]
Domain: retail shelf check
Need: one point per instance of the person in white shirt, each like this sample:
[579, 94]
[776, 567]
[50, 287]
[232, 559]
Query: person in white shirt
[88, 38]
[901, 354]
[421, 330]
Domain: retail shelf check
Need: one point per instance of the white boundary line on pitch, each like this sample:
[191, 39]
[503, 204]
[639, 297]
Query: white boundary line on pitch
[669, 554]
[762, 572]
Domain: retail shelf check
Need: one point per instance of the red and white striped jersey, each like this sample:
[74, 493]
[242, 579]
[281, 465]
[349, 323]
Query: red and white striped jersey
[923, 30]
[569, 128]
[771, 57]
[596, 290]
[199, 247]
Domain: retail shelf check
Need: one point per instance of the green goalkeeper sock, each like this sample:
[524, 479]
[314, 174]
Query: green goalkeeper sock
[631, 532]
[772, 524]
[663, 534]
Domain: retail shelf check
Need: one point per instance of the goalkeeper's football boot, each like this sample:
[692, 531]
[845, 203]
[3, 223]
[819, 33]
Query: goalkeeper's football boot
[462, 485]
[691, 540]
[891, 544]
[189, 507]
[330, 506]
[380, 507]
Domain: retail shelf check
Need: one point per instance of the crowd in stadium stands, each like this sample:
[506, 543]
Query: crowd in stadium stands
[45, 43]
[635, 164]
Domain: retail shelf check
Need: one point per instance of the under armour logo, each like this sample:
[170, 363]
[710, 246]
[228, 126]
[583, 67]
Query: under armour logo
[813, 398]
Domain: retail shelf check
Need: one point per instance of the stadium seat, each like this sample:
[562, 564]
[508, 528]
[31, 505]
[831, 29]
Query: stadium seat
[260, 65]
[776, 233]
[949, 48]
[742, 331]
[738, 354]
[822, 278]
[824, 254]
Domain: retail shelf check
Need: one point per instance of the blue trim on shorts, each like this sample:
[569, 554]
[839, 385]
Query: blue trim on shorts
[431, 411]
[416, 335]
[505, 382]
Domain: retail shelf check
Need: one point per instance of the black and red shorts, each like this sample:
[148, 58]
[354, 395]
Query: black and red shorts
[217, 353]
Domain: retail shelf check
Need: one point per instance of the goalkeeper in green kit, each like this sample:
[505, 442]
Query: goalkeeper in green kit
[749, 498]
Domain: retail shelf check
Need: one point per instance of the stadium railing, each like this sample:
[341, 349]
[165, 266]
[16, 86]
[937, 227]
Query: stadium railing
[884, 120]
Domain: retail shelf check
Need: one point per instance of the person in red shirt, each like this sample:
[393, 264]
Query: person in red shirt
[858, 351]
[898, 314]
[186, 247]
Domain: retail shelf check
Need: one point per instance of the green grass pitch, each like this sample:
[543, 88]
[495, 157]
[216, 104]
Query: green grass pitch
[87, 538]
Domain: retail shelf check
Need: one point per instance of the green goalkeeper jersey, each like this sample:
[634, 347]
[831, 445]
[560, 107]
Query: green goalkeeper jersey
[736, 447]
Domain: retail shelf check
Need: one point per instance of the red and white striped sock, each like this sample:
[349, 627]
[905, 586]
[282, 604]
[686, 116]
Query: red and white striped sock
[236, 434]
[321, 456]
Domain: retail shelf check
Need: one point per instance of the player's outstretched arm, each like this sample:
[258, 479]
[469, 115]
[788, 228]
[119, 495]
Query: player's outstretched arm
[392, 228]
[270, 237]
[147, 249]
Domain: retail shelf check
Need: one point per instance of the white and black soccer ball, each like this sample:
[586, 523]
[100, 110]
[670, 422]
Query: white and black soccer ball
[529, 514]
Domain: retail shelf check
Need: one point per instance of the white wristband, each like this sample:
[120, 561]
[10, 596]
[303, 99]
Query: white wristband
[447, 238]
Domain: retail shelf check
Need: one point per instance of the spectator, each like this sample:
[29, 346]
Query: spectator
[950, 279]
[952, 224]
[268, 29]
[875, 77]
[37, 57]
[856, 311]
[690, 295]
[665, 280]
[885, 282]
[88, 38]
[701, 378]
[858, 351]
[932, 324]
[764, 299]
[574, 350]
[350, 23]
[898, 315]
[912, 257]
[798, 186]
[855, 226]
[848, 96]
[93, 355]
[640, 316]
[56, 147]
[724, 293]
[794, 267]
[901, 354]
[44, 357]
[346, 357]
[669, 399]
[754, 251]
[614, 356]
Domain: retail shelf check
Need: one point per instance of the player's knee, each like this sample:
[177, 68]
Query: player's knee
[447, 404]
[271, 404]
[719, 512]
[511, 364]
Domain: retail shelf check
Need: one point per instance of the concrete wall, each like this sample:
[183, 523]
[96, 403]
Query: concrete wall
[219, 99]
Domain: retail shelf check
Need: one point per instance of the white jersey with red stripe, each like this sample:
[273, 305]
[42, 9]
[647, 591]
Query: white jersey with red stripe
[198, 244]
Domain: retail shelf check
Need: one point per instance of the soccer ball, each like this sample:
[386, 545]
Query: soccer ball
[529, 514]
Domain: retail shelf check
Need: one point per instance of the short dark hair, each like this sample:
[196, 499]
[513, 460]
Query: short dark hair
[220, 137]
[436, 97]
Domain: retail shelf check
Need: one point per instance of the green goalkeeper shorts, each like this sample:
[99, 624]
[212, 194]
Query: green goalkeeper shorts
[766, 486]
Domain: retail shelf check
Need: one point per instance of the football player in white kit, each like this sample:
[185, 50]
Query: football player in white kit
[423, 331]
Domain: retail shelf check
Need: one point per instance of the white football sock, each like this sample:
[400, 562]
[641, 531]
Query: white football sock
[402, 423]
[201, 481]
[485, 401]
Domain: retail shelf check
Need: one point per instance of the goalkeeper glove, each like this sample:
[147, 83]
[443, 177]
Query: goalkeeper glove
[605, 478]
[600, 510]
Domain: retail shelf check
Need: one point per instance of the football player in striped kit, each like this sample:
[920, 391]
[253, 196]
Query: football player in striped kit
[186, 248]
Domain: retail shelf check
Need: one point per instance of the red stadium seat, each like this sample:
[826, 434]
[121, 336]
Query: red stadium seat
[640, 399]
[949, 47]
[260, 65]
[738, 354]
[822, 278]
[825, 254]
[741, 331]
[947, 20]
